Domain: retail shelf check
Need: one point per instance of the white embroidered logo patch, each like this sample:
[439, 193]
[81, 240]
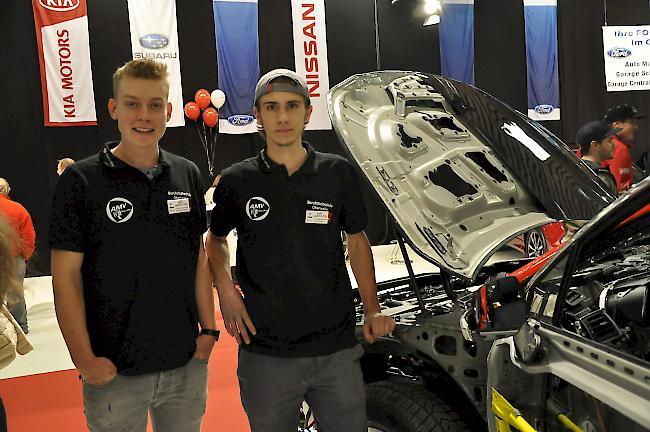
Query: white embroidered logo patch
[119, 210]
[257, 208]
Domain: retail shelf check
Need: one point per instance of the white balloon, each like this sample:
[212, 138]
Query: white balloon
[218, 98]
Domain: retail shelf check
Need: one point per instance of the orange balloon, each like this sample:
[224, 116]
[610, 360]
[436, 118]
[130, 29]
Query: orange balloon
[210, 117]
[192, 110]
[202, 98]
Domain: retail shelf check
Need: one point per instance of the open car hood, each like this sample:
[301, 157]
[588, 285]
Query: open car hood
[459, 171]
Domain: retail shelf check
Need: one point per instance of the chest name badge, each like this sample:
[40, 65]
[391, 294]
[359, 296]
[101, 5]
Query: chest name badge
[181, 205]
[321, 217]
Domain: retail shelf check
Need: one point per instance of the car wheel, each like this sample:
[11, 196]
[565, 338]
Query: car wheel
[535, 244]
[405, 407]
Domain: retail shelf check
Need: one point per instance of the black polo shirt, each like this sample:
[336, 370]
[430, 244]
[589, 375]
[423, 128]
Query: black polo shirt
[140, 240]
[290, 262]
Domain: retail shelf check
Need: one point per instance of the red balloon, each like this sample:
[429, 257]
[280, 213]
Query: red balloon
[202, 98]
[192, 110]
[210, 117]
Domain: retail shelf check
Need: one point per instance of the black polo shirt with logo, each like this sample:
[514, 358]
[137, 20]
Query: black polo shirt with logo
[290, 262]
[140, 240]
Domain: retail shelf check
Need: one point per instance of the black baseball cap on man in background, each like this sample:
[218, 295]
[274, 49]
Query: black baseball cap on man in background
[622, 113]
[593, 131]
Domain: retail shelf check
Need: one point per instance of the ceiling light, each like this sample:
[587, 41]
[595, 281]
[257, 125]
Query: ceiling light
[432, 6]
[433, 19]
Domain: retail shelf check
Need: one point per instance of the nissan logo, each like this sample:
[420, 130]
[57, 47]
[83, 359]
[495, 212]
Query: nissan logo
[60, 5]
[154, 41]
[543, 109]
[240, 120]
[619, 53]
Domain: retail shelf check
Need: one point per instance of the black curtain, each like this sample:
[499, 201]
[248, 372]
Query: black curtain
[28, 151]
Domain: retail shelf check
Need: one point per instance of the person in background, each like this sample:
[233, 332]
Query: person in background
[624, 119]
[12, 337]
[24, 244]
[130, 275]
[597, 146]
[296, 321]
[62, 164]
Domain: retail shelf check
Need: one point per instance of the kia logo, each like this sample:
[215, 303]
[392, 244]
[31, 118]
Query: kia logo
[543, 109]
[619, 53]
[240, 120]
[60, 5]
[154, 41]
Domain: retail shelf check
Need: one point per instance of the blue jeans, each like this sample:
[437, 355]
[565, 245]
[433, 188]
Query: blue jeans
[175, 399]
[16, 298]
[273, 388]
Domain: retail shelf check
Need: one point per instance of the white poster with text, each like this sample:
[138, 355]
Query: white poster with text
[627, 57]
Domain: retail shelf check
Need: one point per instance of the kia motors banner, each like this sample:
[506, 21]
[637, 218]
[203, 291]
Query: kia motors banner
[627, 57]
[154, 36]
[235, 29]
[542, 59]
[64, 53]
[457, 40]
[310, 51]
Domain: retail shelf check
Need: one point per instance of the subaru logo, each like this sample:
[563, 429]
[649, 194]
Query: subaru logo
[619, 53]
[240, 119]
[154, 41]
[60, 5]
[544, 109]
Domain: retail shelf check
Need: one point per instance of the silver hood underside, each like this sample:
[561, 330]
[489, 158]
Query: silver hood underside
[449, 193]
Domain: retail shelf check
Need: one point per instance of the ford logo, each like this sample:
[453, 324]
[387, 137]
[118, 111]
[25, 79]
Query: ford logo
[240, 120]
[154, 41]
[619, 53]
[544, 109]
[60, 5]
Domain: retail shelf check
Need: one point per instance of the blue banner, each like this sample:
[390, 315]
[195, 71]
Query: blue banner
[235, 27]
[457, 40]
[542, 59]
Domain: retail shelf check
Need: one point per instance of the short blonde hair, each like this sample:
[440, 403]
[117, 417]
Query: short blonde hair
[141, 68]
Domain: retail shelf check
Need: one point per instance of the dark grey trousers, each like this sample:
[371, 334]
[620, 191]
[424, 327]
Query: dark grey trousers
[273, 388]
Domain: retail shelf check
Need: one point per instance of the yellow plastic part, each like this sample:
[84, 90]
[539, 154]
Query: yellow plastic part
[566, 421]
[506, 413]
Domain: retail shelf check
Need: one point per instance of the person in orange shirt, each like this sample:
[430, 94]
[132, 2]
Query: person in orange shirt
[21, 222]
[623, 117]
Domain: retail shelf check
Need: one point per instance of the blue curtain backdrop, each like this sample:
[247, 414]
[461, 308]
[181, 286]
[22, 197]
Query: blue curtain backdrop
[457, 40]
[235, 23]
[540, 18]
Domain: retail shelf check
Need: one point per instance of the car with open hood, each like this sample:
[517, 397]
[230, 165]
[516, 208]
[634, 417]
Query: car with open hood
[561, 342]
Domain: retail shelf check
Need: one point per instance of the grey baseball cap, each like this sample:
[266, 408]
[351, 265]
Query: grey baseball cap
[264, 85]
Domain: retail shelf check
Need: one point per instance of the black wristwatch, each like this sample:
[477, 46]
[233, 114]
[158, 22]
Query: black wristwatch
[210, 332]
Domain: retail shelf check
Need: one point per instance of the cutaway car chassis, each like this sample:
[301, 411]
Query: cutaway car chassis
[431, 374]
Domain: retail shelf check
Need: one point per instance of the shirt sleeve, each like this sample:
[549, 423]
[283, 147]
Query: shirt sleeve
[27, 235]
[354, 216]
[223, 218]
[200, 198]
[621, 167]
[68, 218]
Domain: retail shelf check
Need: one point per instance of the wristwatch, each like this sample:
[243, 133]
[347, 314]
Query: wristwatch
[210, 332]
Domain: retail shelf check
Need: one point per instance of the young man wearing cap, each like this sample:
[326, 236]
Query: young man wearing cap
[296, 322]
[597, 146]
[624, 118]
[130, 276]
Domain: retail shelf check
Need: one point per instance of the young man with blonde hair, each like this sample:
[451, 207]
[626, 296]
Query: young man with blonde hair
[130, 276]
[296, 322]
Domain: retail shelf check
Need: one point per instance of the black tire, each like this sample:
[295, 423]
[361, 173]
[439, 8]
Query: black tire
[405, 407]
[535, 243]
